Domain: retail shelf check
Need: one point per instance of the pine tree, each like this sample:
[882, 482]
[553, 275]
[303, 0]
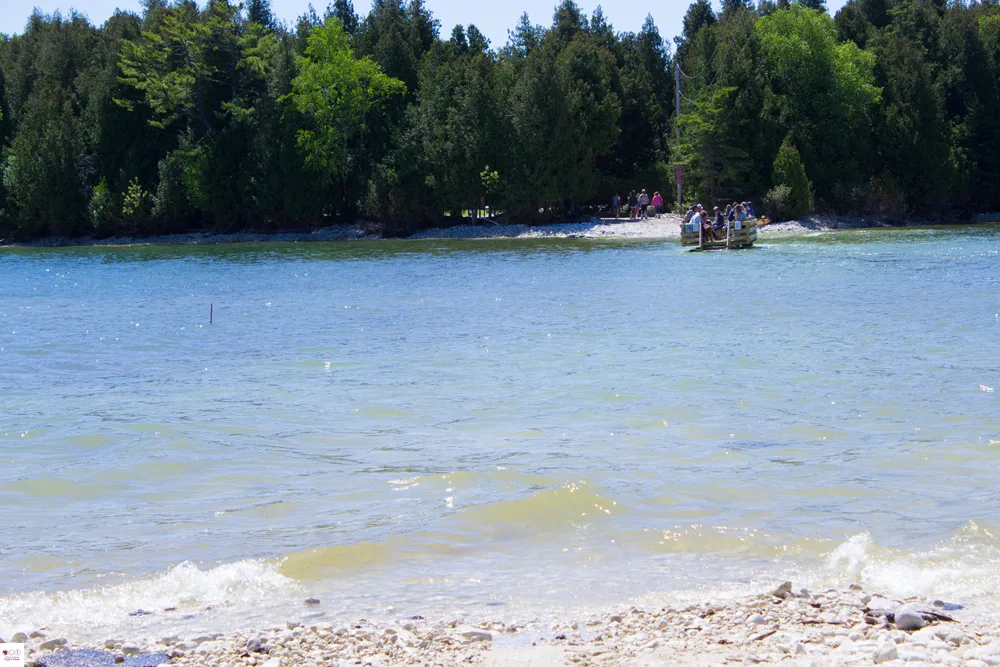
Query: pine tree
[791, 173]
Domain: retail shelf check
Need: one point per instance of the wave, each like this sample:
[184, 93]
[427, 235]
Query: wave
[186, 590]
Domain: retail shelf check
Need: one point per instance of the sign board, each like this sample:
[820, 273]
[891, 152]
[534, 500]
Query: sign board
[679, 174]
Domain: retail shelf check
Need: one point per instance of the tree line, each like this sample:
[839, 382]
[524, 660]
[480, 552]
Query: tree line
[222, 118]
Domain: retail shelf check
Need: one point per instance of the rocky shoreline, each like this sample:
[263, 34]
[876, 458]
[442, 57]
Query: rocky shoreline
[833, 627]
[666, 226]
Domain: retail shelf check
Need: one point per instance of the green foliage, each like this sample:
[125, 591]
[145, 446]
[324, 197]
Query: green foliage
[102, 210]
[232, 120]
[824, 92]
[790, 173]
[341, 97]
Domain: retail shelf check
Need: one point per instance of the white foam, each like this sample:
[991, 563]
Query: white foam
[964, 568]
[103, 611]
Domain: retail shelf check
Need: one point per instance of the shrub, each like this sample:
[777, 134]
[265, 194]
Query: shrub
[789, 171]
[101, 210]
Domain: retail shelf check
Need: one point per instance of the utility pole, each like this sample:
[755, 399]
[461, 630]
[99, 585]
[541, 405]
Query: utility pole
[677, 124]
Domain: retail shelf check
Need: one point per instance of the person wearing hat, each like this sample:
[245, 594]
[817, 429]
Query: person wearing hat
[643, 204]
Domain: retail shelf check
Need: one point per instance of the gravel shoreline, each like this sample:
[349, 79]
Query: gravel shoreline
[833, 627]
[664, 227]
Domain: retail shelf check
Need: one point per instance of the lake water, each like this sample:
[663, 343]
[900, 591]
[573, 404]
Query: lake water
[503, 429]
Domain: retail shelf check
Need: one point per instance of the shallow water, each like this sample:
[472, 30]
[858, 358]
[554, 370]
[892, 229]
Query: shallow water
[492, 428]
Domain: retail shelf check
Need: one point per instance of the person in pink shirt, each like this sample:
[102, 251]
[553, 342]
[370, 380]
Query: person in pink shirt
[657, 203]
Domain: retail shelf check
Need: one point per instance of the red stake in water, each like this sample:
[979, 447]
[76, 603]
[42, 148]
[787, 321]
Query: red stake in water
[211, 312]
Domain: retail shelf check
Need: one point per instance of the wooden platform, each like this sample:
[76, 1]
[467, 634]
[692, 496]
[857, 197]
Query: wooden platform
[736, 238]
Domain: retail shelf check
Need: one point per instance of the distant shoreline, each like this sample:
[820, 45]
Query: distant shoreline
[666, 226]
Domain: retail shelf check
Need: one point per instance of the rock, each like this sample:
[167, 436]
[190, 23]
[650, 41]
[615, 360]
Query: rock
[52, 644]
[312, 601]
[140, 612]
[205, 648]
[35, 634]
[946, 606]
[783, 591]
[477, 636]
[203, 638]
[273, 662]
[19, 638]
[756, 619]
[865, 599]
[615, 618]
[170, 641]
[908, 617]
[885, 651]
[185, 646]
[254, 645]
[131, 649]
[291, 625]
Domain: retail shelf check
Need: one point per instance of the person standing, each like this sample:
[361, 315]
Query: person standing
[643, 204]
[633, 205]
[616, 204]
[657, 203]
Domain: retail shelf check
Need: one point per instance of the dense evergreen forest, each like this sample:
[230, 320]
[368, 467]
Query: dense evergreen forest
[223, 119]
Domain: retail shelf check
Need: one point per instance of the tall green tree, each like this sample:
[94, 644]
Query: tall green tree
[342, 97]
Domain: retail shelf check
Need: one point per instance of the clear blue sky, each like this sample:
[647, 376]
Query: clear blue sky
[491, 17]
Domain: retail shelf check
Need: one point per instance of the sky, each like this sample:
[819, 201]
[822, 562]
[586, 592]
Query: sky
[493, 18]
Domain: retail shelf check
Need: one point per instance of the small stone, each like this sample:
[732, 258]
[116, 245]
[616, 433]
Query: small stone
[615, 618]
[273, 662]
[865, 599]
[885, 651]
[19, 638]
[312, 601]
[254, 645]
[908, 618]
[35, 634]
[131, 649]
[800, 649]
[855, 587]
[202, 639]
[756, 619]
[291, 625]
[52, 644]
[170, 641]
[477, 636]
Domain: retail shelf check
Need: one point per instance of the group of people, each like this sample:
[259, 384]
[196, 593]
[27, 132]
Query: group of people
[638, 204]
[714, 225]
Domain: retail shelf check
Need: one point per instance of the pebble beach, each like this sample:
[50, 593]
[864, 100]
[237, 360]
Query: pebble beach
[783, 626]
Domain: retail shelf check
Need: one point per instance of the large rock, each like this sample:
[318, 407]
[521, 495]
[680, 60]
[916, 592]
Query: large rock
[19, 638]
[908, 617]
[477, 636]
[783, 591]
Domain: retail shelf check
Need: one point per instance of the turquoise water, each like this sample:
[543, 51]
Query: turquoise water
[502, 428]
